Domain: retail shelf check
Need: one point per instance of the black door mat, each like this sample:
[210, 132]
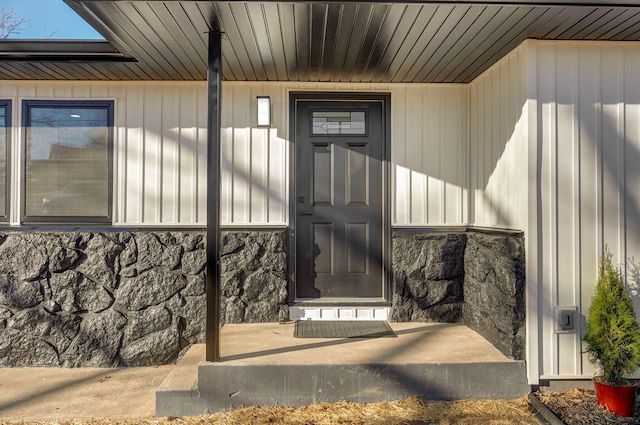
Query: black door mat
[343, 329]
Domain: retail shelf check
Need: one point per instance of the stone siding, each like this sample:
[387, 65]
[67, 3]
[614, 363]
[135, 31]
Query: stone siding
[428, 276]
[115, 298]
[254, 276]
[100, 299]
[494, 291]
[107, 299]
[473, 277]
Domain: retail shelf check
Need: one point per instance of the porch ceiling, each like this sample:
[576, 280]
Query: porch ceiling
[445, 41]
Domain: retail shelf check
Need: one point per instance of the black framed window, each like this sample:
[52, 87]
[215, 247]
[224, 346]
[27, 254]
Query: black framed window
[68, 161]
[5, 138]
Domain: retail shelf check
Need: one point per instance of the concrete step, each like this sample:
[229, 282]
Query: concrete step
[197, 386]
[230, 386]
[178, 393]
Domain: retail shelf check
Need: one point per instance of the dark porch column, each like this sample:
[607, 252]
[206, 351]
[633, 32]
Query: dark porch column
[213, 198]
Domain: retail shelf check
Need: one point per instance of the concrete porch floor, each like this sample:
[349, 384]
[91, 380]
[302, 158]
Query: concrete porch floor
[265, 364]
[271, 343]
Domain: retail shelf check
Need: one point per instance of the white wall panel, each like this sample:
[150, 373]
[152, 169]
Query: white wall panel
[429, 154]
[497, 145]
[554, 146]
[588, 115]
[160, 150]
[160, 146]
[501, 136]
[546, 141]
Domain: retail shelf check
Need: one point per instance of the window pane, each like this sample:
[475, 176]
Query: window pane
[67, 161]
[338, 122]
[4, 130]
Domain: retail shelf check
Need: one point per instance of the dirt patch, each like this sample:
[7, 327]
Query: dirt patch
[579, 407]
[410, 411]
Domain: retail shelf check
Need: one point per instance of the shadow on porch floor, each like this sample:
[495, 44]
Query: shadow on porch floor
[271, 343]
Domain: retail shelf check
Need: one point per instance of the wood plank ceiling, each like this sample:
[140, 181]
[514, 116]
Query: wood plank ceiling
[316, 41]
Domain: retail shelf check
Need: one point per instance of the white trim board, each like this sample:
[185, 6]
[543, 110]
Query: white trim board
[338, 313]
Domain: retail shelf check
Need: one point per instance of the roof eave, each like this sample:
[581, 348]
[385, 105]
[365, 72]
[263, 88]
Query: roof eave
[60, 51]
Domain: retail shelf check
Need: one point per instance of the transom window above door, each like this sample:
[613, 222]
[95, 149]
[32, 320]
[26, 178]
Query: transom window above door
[338, 122]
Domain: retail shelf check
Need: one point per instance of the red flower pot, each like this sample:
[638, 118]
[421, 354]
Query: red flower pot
[620, 400]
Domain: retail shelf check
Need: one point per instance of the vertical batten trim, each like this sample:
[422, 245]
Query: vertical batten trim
[533, 247]
[443, 183]
[120, 153]
[599, 158]
[622, 186]
[15, 155]
[577, 212]
[554, 255]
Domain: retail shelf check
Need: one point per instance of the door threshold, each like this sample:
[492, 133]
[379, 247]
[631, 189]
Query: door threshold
[326, 310]
[342, 301]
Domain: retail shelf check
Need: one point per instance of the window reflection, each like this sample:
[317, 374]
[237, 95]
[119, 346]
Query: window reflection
[67, 159]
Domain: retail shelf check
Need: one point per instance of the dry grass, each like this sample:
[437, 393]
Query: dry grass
[409, 411]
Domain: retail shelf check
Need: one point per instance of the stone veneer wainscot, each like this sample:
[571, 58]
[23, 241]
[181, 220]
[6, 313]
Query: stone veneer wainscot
[134, 298]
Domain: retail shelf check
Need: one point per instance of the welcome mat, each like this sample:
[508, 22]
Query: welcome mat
[343, 329]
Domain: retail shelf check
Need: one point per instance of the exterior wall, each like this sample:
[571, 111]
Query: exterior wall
[504, 178]
[254, 279]
[494, 290]
[428, 276]
[588, 153]
[114, 298]
[554, 142]
[498, 143]
[550, 137]
[255, 161]
[106, 299]
[160, 150]
[428, 156]
[159, 146]
[472, 276]
[100, 299]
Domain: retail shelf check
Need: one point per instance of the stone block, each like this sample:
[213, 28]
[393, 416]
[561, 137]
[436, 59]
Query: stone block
[20, 294]
[150, 288]
[494, 289]
[428, 274]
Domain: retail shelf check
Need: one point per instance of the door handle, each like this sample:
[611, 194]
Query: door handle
[302, 213]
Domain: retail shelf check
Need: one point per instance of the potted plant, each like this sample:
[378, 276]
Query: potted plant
[613, 340]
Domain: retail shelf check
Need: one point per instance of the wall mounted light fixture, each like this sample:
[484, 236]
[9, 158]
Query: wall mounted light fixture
[264, 111]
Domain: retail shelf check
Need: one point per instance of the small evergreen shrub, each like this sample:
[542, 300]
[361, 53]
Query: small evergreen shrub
[613, 333]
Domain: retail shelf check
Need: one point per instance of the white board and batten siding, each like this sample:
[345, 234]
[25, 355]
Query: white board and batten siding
[589, 113]
[428, 152]
[502, 177]
[563, 168]
[161, 143]
[429, 155]
[159, 146]
[498, 142]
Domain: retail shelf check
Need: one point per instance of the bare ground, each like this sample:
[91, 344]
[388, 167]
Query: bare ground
[579, 407]
[410, 411]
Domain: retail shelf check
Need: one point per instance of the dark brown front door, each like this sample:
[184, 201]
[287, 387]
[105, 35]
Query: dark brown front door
[339, 198]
